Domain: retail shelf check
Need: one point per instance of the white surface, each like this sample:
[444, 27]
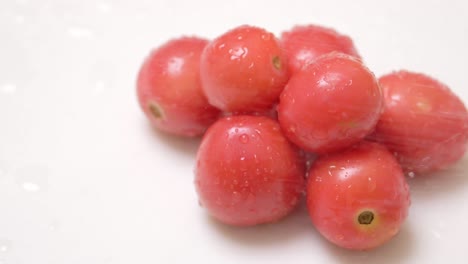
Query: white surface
[83, 178]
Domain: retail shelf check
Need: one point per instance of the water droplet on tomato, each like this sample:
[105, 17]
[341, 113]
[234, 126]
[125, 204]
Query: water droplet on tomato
[175, 66]
[238, 53]
[236, 198]
[265, 37]
[372, 184]
[244, 138]
[292, 129]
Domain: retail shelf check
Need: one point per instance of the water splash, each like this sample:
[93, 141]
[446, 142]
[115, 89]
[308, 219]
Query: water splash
[108, 260]
[19, 19]
[99, 87]
[31, 186]
[54, 225]
[79, 32]
[5, 245]
[3, 169]
[104, 7]
[8, 88]
[32, 179]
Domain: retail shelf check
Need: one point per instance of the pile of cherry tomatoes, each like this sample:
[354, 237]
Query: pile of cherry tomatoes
[301, 115]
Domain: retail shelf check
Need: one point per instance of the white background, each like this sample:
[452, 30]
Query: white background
[84, 179]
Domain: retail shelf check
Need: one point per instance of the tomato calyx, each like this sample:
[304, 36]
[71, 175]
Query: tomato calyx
[276, 62]
[155, 110]
[365, 218]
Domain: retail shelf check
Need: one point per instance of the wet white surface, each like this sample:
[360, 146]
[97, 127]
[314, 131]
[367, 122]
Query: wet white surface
[83, 178]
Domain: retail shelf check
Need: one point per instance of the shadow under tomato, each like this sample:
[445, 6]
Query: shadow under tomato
[394, 251]
[185, 145]
[266, 235]
[444, 182]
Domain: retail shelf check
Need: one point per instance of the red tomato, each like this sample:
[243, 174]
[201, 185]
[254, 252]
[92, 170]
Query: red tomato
[169, 88]
[244, 70]
[358, 198]
[423, 122]
[330, 104]
[303, 44]
[247, 172]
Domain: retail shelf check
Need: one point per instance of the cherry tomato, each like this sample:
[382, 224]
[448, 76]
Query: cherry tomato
[330, 104]
[423, 122]
[304, 44]
[243, 70]
[358, 198]
[169, 88]
[247, 172]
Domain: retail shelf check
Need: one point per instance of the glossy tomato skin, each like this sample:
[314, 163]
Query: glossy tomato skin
[358, 198]
[247, 173]
[244, 70]
[305, 43]
[330, 104]
[169, 88]
[423, 122]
